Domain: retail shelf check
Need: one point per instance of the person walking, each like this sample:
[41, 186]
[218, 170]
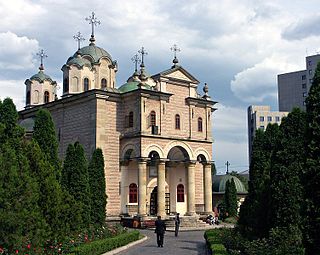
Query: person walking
[176, 224]
[160, 230]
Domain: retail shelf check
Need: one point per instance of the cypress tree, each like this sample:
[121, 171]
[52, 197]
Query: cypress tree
[312, 170]
[97, 185]
[75, 179]
[230, 198]
[45, 135]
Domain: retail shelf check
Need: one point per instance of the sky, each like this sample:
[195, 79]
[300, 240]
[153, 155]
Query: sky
[236, 47]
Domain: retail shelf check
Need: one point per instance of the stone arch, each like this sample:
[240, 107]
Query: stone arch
[153, 147]
[183, 145]
[202, 153]
[129, 148]
[153, 183]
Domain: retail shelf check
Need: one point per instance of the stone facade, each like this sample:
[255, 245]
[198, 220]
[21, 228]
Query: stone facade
[155, 134]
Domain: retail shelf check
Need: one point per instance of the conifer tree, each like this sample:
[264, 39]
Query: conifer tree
[312, 170]
[230, 198]
[97, 185]
[45, 135]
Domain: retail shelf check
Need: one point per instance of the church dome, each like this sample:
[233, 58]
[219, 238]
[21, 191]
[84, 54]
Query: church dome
[41, 77]
[132, 85]
[79, 61]
[96, 53]
[219, 184]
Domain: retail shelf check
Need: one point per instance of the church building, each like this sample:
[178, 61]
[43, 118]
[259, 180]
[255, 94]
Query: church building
[154, 130]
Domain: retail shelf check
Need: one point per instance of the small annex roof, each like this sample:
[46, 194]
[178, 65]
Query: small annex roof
[133, 85]
[219, 183]
[174, 69]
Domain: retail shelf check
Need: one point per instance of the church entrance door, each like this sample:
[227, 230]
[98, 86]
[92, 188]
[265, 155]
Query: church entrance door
[154, 201]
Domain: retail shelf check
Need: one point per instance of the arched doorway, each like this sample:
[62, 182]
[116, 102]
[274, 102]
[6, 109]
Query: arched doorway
[154, 201]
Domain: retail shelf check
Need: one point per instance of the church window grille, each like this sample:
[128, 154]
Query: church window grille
[28, 97]
[153, 118]
[200, 125]
[131, 119]
[133, 193]
[177, 119]
[65, 85]
[85, 84]
[103, 83]
[180, 193]
[46, 97]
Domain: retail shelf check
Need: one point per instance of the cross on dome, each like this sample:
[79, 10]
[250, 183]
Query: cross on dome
[175, 49]
[135, 59]
[94, 22]
[142, 52]
[78, 37]
[41, 55]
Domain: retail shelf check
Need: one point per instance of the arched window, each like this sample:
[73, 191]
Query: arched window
[199, 124]
[153, 118]
[103, 83]
[177, 118]
[133, 193]
[28, 98]
[180, 193]
[65, 85]
[131, 119]
[46, 97]
[85, 84]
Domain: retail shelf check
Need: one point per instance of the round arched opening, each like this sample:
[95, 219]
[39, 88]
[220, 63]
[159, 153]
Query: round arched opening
[201, 158]
[178, 153]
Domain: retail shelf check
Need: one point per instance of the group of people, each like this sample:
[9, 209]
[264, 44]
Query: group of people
[161, 228]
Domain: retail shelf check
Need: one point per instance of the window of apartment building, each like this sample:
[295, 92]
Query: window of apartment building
[269, 118]
[261, 127]
[304, 103]
[303, 77]
[310, 71]
[130, 119]
[261, 118]
[177, 121]
[309, 63]
[304, 94]
[199, 124]
[304, 85]
[180, 193]
[133, 193]
[310, 80]
[277, 118]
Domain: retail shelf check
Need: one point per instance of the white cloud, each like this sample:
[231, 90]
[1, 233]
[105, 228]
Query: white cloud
[15, 89]
[16, 52]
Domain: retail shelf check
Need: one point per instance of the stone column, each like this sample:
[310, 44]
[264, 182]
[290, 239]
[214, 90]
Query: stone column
[161, 182]
[142, 187]
[124, 187]
[207, 181]
[191, 189]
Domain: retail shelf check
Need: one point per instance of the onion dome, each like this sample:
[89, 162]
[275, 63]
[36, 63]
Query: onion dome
[94, 52]
[41, 77]
[133, 85]
[219, 183]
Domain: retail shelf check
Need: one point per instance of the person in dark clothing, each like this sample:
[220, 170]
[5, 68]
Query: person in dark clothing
[160, 230]
[176, 224]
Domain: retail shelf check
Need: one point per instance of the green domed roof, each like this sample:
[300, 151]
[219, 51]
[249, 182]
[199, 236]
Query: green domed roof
[96, 53]
[132, 85]
[27, 124]
[41, 77]
[219, 184]
[79, 61]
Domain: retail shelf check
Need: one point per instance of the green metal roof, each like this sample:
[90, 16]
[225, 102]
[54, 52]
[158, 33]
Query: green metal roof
[79, 61]
[219, 183]
[132, 85]
[96, 53]
[41, 77]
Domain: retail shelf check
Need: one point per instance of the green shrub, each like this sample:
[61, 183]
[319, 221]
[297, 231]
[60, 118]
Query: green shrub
[101, 246]
[218, 249]
[214, 239]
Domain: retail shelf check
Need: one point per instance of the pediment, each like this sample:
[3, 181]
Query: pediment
[178, 73]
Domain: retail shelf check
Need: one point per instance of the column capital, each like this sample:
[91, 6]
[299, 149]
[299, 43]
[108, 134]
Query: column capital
[190, 163]
[162, 160]
[142, 160]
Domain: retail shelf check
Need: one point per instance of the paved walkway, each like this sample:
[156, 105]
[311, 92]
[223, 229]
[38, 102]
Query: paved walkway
[189, 242]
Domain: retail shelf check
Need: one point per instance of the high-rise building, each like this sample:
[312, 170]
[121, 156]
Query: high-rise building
[259, 116]
[293, 87]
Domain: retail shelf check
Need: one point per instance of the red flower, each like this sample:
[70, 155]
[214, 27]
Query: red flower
[29, 246]
[17, 251]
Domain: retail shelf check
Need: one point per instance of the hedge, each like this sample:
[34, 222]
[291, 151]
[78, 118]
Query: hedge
[214, 241]
[101, 246]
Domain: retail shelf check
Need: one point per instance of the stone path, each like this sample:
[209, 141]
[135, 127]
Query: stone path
[189, 242]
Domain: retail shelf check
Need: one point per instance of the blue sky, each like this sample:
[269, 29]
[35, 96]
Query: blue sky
[237, 47]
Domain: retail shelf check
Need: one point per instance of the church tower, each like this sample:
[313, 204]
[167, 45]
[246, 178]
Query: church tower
[40, 88]
[91, 67]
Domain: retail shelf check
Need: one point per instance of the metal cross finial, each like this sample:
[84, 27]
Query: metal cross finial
[78, 37]
[41, 55]
[175, 49]
[142, 52]
[227, 164]
[135, 59]
[94, 22]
